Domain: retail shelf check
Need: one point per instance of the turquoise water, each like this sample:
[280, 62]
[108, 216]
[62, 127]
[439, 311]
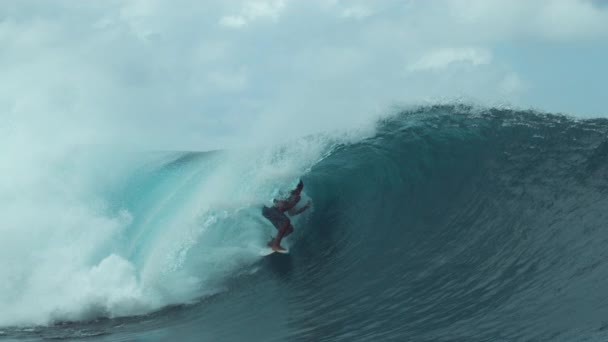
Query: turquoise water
[448, 224]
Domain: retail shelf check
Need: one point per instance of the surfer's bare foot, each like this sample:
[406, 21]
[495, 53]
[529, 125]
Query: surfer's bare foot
[277, 248]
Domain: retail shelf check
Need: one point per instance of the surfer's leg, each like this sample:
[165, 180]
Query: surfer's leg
[289, 230]
[285, 230]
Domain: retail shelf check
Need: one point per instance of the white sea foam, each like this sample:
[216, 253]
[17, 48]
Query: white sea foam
[73, 248]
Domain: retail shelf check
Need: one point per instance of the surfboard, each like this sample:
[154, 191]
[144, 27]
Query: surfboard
[267, 251]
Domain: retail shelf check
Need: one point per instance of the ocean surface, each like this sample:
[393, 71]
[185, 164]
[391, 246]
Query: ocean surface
[447, 223]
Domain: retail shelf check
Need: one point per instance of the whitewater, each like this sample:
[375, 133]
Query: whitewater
[444, 223]
[118, 234]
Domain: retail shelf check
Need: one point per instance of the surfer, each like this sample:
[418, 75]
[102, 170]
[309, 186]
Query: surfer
[276, 215]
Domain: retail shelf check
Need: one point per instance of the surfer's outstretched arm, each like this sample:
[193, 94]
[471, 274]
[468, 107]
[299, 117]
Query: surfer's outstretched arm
[293, 212]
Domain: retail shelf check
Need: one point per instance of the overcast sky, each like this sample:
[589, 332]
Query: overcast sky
[188, 74]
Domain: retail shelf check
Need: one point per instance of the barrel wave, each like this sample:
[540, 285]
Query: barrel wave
[449, 223]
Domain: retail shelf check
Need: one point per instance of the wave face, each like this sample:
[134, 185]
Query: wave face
[449, 224]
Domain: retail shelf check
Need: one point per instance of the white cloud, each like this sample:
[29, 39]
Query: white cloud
[137, 15]
[356, 12]
[233, 21]
[99, 69]
[264, 9]
[561, 20]
[571, 19]
[442, 58]
[254, 10]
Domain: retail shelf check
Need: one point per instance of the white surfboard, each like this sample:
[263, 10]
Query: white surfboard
[267, 251]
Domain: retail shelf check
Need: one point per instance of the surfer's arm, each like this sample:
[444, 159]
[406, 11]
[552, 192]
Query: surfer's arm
[294, 212]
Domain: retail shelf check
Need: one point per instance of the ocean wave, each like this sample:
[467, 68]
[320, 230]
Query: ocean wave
[449, 223]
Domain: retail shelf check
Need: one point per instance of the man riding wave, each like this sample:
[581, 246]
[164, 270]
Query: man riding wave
[276, 215]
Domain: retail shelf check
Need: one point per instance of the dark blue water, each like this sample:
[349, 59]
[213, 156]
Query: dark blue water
[450, 224]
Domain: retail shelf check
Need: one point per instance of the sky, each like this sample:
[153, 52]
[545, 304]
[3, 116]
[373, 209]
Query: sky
[197, 75]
